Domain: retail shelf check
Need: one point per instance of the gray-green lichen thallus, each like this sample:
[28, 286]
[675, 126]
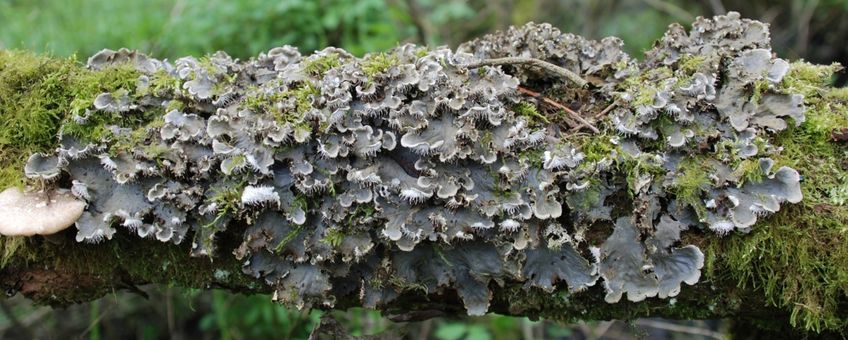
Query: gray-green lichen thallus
[405, 170]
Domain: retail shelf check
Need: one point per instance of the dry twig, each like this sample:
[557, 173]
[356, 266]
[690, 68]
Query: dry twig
[553, 103]
[603, 112]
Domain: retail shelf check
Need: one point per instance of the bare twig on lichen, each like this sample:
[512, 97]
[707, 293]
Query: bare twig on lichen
[560, 71]
[567, 110]
[600, 115]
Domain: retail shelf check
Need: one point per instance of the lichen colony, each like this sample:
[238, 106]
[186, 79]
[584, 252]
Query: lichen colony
[406, 170]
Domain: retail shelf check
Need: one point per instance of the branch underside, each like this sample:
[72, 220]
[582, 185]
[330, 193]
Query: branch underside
[60, 272]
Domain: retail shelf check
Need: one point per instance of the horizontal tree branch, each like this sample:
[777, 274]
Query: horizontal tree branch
[394, 182]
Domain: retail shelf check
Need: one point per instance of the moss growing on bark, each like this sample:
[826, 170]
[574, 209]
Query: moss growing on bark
[39, 93]
[798, 257]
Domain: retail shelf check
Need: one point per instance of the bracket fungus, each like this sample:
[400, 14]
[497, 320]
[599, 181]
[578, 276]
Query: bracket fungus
[356, 175]
[37, 213]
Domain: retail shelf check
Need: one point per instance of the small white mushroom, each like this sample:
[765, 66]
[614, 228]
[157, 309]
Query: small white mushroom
[37, 213]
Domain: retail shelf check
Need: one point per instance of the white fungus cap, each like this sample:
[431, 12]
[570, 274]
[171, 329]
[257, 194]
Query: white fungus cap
[30, 213]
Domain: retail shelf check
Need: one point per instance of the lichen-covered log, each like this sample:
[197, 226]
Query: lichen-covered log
[706, 181]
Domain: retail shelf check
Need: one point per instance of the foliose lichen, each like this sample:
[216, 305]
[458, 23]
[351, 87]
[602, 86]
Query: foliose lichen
[407, 171]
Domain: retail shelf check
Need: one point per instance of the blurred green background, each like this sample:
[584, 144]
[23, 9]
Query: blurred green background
[815, 30]
[812, 29]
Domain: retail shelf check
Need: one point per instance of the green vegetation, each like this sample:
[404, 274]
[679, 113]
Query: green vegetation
[288, 238]
[33, 99]
[377, 63]
[318, 66]
[302, 94]
[798, 257]
[38, 93]
[690, 184]
[642, 85]
[334, 237]
[689, 64]
[596, 147]
[171, 28]
[227, 197]
[531, 112]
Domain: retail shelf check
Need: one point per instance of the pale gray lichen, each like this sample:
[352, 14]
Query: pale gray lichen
[42, 167]
[372, 176]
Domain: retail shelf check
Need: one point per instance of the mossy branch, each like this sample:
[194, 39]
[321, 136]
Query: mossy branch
[792, 269]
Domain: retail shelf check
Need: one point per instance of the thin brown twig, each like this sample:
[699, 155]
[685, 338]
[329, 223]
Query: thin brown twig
[600, 114]
[606, 109]
[553, 103]
[560, 71]
[571, 122]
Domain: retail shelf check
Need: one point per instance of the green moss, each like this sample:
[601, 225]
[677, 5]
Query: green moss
[38, 93]
[799, 260]
[162, 83]
[587, 198]
[421, 52]
[303, 97]
[402, 285]
[635, 169]
[760, 86]
[690, 183]
[32, 88]
[228, 194]
[34, 97]
[529, 111]
[596, 147]
[748, 170]
[665, 125]
[138, 136]
[319, 66]
[808, 79]
[334, 237]
[644, 96]
[377, 63]
[534, 157]
[266, 102]
[640, 85]
[688, 64]
[289, 237]
[113, 79]
[174, 105]
[10, 246]
[362, 211]
[227, 197]
[798, 257]
[236, 162]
